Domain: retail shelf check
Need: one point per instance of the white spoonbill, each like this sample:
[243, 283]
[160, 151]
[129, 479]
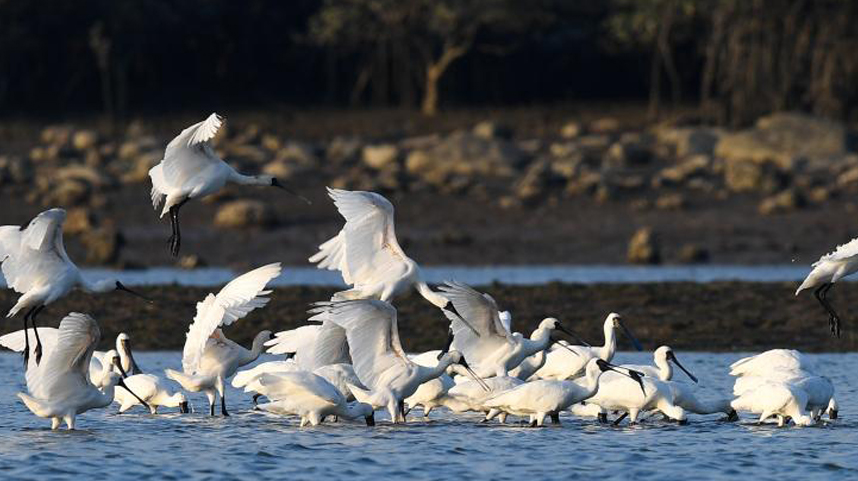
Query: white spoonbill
[191, 169]
[773, 398]
[368, 255]
[377, 355]
[311, 397]
[663, 358]
[100, 366]
[494, 350]
[35, 264]
[633, 396]
[209, 358]
[151, 389]
[471, 396]
[561, 364]
[543, 397]
[771, 360]
[59, 388]
[829, 269]
[685, 396]
[818, 390]
[126, 357]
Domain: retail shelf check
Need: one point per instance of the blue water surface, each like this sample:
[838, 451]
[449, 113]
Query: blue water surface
[254, 446]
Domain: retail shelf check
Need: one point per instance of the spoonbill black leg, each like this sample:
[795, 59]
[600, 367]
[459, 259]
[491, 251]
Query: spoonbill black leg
[620, 419]
[222, 405]
[38, 350]
[555, 418]
[256, 400]
[26, 339]
[176, 238]
[833, 319]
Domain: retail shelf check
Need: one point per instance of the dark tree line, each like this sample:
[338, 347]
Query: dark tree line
[736, 59]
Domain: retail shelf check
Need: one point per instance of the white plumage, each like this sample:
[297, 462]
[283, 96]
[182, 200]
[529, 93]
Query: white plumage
[59, 388]
[191, 169]
[209, 358]
[309, 396]
[830, 268]
[367, 253]
[149, 388]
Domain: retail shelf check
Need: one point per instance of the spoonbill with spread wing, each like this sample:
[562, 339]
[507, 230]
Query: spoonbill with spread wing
[209, 358]
[191, 169]
[59, 388]
[377, 355]
[368, 255]
[35, 264]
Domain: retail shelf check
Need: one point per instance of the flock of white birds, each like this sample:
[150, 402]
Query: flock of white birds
[348, 361]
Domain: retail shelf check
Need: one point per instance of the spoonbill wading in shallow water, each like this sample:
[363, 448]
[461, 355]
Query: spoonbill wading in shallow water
[368, 255]
[191, 169]
[149, 388]
[126, 357]
[59, 388]
[541, 398]
[829, 269]
[35, 264]
[209, 358]
[377, 355]
[494, 350]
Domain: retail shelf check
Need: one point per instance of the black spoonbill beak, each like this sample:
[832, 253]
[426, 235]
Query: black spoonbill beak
[571, 334]
[116, 362]
[557, 342]
[122, 384]
[447, 345]
[279, 185]
[630, 373]
[449, 307]
[121, 287]
[474, 376]
[672, 357]
[628, 334]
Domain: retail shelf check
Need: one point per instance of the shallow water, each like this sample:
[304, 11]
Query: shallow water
[252, 445]
[477, 275]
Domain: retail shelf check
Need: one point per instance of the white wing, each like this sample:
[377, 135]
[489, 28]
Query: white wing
[242, 295]
[293, 340]
[300, 387]
[366, 249]
[66, 367]
[373, 336]
[189, 153]
[842, 252]
[768, 361]
[506, 320]
[14, 341]
[481, 311]
[35, 254]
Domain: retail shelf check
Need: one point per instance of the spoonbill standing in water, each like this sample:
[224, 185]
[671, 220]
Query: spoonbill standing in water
[151, 389]
[310, 396]
[209, 358]
[59, 388]
[561, 364]
[543, 397]
[126, 357]
[491, 346]
[368, 255]
[377, 355]
[191, 169]
[829, 269]
[35, 264]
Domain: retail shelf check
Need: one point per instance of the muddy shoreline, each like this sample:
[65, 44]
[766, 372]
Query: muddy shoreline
[720, 316]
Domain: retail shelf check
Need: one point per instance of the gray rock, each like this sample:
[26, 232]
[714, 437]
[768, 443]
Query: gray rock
[380, 157]
[245, 213]
[643, 247]
[489, 129]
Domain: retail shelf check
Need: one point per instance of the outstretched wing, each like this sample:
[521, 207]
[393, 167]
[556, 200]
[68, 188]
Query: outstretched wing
[35, 253]
[481, 311]
[190, 152]
[300, 387]
[842, 252]
[242, 295]
[66, 366]
[372, 332]
[14, 341]
[293, 340]
[366, 249]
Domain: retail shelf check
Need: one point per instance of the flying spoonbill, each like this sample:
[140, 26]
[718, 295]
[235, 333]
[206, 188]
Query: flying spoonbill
[191, 169]
[60, 388]
[310, 396]
[829, 269]
[35, 264]
[494, 351]
[368, 255]
[377, 355]
[209, 358]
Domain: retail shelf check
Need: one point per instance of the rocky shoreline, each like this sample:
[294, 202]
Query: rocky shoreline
[538, 188]
[721, 316]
